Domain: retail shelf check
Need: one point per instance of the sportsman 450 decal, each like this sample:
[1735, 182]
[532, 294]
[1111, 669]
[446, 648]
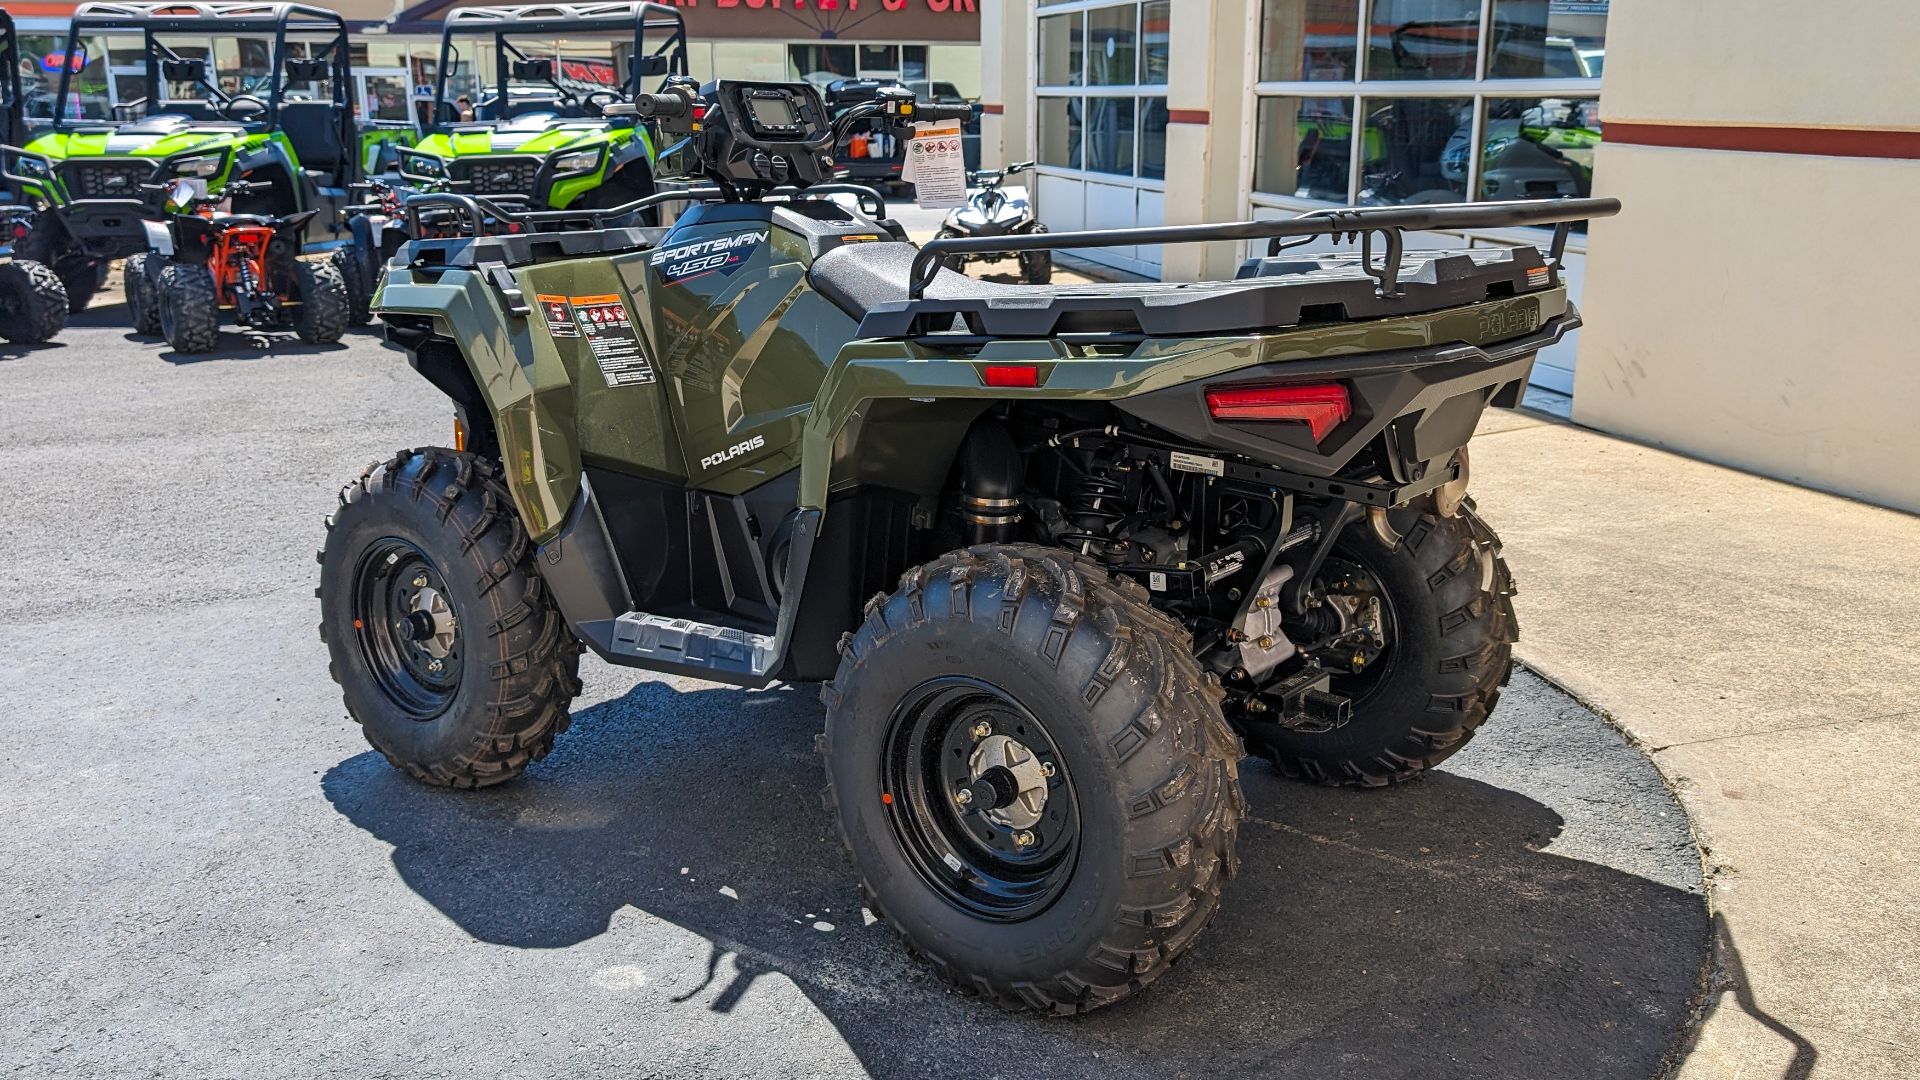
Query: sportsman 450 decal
[722, 255]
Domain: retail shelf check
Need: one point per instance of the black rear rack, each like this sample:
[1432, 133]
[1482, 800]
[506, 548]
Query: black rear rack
[1338, 223]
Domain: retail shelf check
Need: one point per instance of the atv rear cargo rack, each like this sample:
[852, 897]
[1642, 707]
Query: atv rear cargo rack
[1335, 223]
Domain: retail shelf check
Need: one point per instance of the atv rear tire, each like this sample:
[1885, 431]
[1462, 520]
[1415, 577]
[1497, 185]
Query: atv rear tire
[140, 275]
[1036, 267]
[1135, 836]
[1451, 630]
[33, 303]
[321, 318]
[493, 694]
[351, 262]
[189, 308]
[81, 277]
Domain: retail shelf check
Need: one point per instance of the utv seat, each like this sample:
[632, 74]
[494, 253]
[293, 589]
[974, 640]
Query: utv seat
[870, 282]
[314, 130]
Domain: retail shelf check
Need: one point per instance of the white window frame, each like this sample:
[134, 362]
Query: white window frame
[1138, 91]
[1476, 91]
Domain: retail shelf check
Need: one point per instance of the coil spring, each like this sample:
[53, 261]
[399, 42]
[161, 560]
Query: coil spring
[1094, 504]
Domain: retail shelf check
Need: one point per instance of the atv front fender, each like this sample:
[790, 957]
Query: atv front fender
[521, 385]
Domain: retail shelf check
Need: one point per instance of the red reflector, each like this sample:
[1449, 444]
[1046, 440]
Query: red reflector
[1321, 407]
[1026, 375]
[699, 112]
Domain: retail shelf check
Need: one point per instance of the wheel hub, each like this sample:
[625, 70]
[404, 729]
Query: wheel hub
[1018, 778]
[430, 623]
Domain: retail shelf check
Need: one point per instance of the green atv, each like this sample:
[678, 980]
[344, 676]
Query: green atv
[534, 130]
[274, 109]
[1053, 552]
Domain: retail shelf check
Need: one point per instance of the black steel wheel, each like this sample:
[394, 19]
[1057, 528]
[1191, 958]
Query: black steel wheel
[954, 736]
[407, 630]
[1416, 622]
[1032, 777]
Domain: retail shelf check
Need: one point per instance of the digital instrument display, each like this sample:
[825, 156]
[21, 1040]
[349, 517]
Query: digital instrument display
[772, 111]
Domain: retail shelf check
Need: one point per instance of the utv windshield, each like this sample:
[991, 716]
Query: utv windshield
[119, 74]
[567, 60]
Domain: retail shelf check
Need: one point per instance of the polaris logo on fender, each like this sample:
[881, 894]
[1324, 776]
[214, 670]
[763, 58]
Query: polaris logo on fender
[733, 451]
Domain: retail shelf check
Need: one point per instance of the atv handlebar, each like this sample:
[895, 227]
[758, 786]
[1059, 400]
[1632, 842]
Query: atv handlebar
[1337, 223]
[938, 113]
[662, 106]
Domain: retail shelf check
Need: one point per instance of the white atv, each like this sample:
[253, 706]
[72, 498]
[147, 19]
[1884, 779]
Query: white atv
[993, 209]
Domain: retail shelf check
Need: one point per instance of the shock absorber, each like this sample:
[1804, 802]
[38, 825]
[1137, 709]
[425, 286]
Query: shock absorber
[1094, 504]
[991, 474]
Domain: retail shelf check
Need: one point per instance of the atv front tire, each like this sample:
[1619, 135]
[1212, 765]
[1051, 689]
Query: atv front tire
[1036, 267]
[1448, 601]
[140, 275]
[189, 308]
[33, 303]
[1101, 699]
[324, 303]
[450, 655]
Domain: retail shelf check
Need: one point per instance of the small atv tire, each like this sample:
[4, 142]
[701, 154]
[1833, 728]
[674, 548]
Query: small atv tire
[33, 303]
[1036, 267]
[325, 304]
[1451, 651]
[512, 666]
[189, 308]
[1144, 782]
[140, 275]
[352, 262]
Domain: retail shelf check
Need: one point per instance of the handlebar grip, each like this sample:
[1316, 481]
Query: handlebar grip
[935, 113]
[663, 106]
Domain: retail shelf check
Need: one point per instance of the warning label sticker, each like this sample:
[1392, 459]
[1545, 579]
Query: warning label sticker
[559, 316]
[603, 321]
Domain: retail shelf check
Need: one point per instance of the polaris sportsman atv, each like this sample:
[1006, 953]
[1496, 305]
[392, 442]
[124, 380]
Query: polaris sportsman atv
[244, 264]
[539, 78]
[274, 111]
[1053, 552]
[33, 303]
[992, 209]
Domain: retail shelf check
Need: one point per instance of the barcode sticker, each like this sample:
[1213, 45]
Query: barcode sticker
[1194, 463]
[1156, 581]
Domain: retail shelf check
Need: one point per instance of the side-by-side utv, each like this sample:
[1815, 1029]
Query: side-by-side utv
[271, 107]
[535, 131]
[1054, 553]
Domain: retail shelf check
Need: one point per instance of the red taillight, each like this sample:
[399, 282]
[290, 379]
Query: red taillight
[1321, 406]
[1020, 375]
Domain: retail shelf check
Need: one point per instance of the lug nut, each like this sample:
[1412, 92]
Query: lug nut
[964, 797]
[1262, 602]
[1023, 838]
[419, 581]
[1265, 642]
[1047, 769]
[982, 729]
[434, 666]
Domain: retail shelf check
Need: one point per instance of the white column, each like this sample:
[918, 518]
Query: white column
[1206, 97]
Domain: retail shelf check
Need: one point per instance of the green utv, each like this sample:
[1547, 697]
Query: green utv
[535, 131]
[1054, 552]
[33, 302]
[270, 106]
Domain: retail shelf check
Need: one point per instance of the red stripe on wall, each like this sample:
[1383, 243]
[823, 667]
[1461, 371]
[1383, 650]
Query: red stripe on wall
[1186, 116]
[993, 110]
[1827, 142]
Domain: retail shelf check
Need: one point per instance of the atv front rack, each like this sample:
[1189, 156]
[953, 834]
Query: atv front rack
[1337, 224]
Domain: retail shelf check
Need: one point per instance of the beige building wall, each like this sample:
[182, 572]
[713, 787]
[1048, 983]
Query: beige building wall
[1752, 308]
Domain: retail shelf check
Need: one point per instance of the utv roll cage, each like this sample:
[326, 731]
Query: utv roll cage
[327, 59]
[531, 20]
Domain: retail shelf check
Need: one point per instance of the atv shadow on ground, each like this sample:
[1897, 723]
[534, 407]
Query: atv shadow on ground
[1420, 931]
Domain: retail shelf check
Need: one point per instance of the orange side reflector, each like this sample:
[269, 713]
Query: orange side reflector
[459, 434]
[886, 798]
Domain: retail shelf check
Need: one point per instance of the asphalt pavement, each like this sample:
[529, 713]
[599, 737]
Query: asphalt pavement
[204, 871]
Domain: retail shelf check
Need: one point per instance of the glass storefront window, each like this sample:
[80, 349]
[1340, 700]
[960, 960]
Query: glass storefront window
[1539, 148]
[1156, 19]
[1304, 146]
[1109, 134]
[1308, 40]
[882, 58]
[820, 64]
[1059, 131]
[1153, 138]
[1113, 36]
[1423, 39]
[1061, 51]
[913, 62]
[1415, 150]
[1538, 39]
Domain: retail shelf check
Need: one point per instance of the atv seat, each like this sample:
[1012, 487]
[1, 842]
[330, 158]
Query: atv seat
[870, 282]
[313, 128]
